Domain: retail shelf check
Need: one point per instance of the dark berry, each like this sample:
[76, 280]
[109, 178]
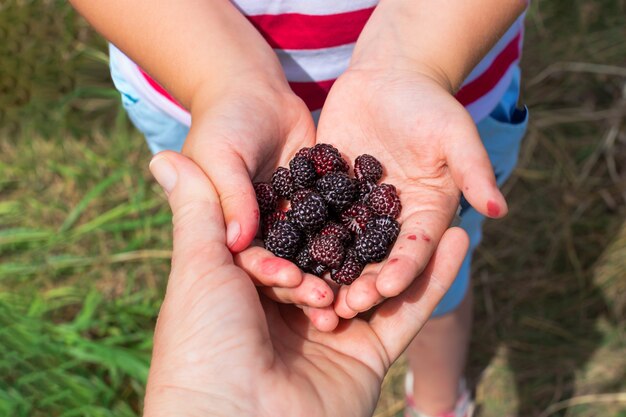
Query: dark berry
[284, 239]
[282, 183]
[364, 188]
[371, 246]
[356, 216]
[300, 195]
[270, 219]
[327, 250]
[310, 213]
[265, 197]
[367, 168]
[318, 269]
[349, 270]
[384, 201]
[338, 189]
[304, 260]
[304, 152]
[302, 172]
[326, 159]
[386, 224]
[339, 230]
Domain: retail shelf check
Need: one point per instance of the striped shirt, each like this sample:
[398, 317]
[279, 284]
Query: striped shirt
[314, 40]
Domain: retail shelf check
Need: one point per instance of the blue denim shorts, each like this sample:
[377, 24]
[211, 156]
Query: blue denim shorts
[501, 132]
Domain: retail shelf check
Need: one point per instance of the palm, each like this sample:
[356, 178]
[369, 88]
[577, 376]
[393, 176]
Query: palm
[277, 344]
[415, 128]
[269, 353]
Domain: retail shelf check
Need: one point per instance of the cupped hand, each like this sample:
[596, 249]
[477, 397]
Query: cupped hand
[430, 150]
[222, 349]
[242, 135]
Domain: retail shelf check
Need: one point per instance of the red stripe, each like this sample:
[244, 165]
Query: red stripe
[160, 89]
[313, 93]
[300, 31]
[486, 81]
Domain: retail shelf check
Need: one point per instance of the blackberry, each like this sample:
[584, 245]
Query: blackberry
[282, 183]
[304, 260]
[300, 195]
[302, 172]
[386, 224]
[318, 269]
[364, 188]
[356, 216]
[265, 197]
[327, 250]
[270, 219]
[371, 246]
[326, 159]
[338, 189]
[367, 168]
[309, 214]
[304, 152]
[348, 271]
[384, 201]
[283, 239]
[338, 230]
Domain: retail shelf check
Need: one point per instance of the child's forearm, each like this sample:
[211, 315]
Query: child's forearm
[193, 47]
[445, 38]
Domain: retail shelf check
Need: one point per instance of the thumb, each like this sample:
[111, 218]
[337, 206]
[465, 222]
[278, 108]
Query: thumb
[231, 178]
[197, 214]
[472, 172]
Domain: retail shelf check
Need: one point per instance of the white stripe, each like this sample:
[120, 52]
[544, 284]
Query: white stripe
[482, 107]
[311, 7]
[133, 76]
[315, 64]
[498, 47]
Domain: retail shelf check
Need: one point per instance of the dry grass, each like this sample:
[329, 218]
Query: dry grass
[84, 234]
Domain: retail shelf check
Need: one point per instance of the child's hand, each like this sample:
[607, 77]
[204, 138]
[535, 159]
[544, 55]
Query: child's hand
[245, 118]
[282, 281]
[242, 136]
[221, 350]
[430, 149]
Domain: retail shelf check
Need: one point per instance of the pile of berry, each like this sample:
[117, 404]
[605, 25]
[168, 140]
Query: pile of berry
[320, 218]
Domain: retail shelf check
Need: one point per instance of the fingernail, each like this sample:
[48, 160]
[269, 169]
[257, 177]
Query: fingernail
[233, 231]
[164, 172]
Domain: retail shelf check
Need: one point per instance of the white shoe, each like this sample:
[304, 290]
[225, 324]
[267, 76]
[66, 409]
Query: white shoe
[464, 406]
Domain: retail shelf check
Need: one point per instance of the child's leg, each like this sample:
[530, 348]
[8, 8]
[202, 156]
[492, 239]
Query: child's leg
[437, 359]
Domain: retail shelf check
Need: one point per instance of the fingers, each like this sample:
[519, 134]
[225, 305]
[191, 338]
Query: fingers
[197, 215]
[312, 292]
[473, 174]
[360, 296]
[266, 269]
[323, 319]
[419, 236]
[231, 178]
[398, 320]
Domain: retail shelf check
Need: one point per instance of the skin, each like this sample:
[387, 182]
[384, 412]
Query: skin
[395, 100]
[207, 341]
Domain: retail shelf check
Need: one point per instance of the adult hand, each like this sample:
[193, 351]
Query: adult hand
[221, 349]
[430, 149]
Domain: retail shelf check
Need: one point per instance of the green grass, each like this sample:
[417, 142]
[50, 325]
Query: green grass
[85, 232]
